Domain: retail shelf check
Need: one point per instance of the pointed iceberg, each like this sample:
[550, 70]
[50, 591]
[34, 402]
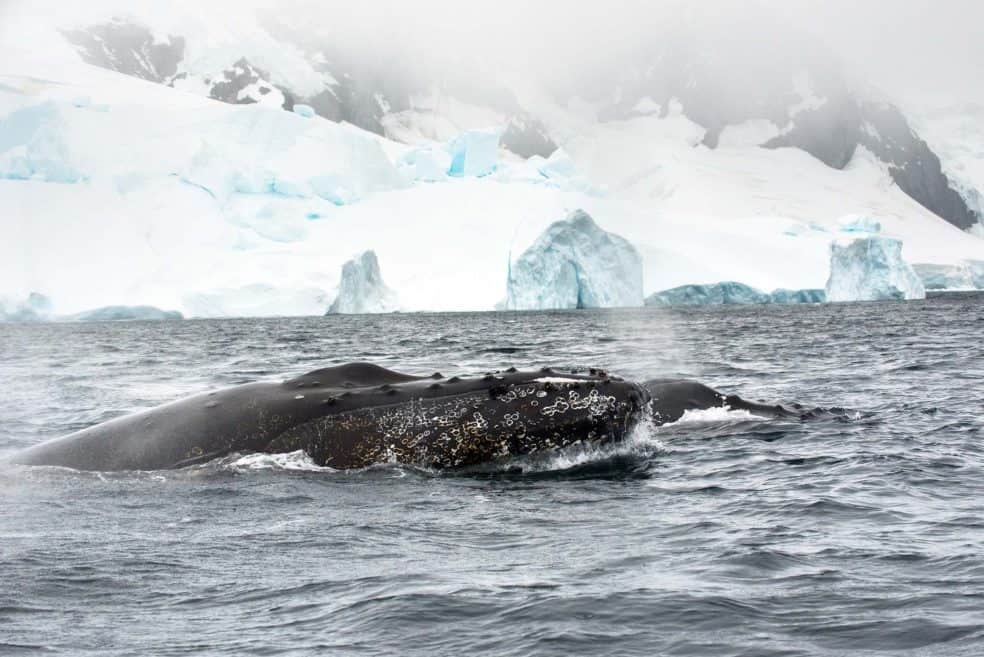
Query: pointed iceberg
[576, 264]
[362, 289]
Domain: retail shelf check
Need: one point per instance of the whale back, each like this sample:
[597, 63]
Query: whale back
[350, 375]
[671, 398]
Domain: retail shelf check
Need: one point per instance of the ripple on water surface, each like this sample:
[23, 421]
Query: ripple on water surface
[723, 534]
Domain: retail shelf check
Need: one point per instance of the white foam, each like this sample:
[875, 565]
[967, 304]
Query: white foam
[718, 414]
[296, 461]
[641, 440]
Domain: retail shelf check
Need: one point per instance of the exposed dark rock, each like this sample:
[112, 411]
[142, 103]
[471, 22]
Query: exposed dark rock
[526, 136]
[128, 48]
[241, 76]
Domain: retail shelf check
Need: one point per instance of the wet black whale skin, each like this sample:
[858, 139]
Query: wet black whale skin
[358, 414]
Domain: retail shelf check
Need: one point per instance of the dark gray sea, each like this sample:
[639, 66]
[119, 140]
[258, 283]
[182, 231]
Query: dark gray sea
[722, 534]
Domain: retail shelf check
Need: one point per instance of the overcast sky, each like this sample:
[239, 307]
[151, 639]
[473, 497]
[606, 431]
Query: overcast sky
[913, 49]
[922, 51]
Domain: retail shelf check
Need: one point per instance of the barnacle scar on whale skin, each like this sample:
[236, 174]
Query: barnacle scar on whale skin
[356, 415]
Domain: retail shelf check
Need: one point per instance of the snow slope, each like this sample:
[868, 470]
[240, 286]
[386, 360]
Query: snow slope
[119, 191]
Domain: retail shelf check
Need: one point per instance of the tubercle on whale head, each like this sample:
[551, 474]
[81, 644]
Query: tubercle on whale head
[466, 421]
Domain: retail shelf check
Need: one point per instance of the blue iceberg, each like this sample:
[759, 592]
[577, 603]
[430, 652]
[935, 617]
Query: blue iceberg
[871, 269]
[576, 264]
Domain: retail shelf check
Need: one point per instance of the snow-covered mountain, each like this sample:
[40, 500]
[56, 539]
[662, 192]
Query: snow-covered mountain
[233, 166]
[802, 101]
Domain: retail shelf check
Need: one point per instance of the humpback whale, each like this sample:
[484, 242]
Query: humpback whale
[357, 415]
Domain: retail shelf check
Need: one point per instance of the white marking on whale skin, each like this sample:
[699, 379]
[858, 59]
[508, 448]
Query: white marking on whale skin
[556, 379]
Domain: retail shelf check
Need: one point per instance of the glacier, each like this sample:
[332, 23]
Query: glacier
[224, 151]
[216, 209]
[362, 289]
[576, 264]
[34, 146]
[859, 224]
[871, 269]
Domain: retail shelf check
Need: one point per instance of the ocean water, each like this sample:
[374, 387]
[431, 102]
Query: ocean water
[722, 534]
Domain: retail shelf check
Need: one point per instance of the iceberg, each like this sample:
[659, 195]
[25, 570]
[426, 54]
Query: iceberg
[717, 294]
[35, 308]
[871, 269]
[575, 264]
[783, 296]
[730, 293]
[976, 268]
[474, 153]
[125, 313]
[968, 275]
[362, 289]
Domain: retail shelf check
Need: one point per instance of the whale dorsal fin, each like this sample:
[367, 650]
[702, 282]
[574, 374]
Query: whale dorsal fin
[350, 375]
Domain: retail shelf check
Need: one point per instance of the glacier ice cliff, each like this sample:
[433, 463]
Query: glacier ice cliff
[576, 264]
[859, 224]
[34, 146]
[474, 153]
[362, 289]
[871, 269]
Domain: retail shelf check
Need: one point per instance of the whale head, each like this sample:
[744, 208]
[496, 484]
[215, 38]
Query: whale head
[464, 421]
